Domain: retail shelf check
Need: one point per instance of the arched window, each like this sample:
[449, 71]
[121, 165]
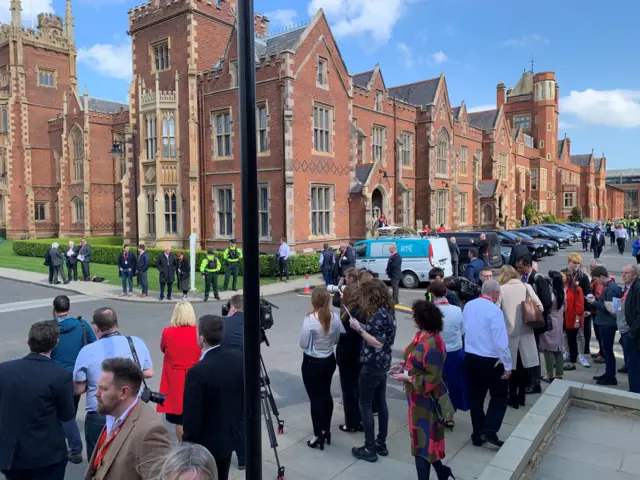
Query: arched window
[78, 210]
[168, 136]
[4, 121]
[76, 146]
[442, 153]
[487, 214]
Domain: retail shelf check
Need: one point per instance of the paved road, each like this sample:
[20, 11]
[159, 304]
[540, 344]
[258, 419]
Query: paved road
[22, 304]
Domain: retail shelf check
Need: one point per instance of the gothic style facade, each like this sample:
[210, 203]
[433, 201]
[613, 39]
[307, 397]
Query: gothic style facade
[335, 150]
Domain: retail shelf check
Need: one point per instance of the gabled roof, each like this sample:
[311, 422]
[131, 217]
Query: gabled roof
[485, 120]
[456, 112]
[279, 43]
[362, 175]
[362, 79]
[598, 163]
[487, 188]
[561, 146]
[523, 87]
[419, 93]
[583, 160]
[105, 106]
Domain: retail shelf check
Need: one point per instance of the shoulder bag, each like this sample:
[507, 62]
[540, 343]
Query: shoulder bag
[531, 314]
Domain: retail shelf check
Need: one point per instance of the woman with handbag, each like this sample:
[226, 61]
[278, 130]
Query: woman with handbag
[429, 403]
[573, 316]
[519, 302]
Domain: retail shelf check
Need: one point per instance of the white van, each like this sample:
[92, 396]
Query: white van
[419, 256]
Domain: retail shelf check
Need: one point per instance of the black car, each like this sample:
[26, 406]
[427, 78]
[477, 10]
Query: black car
[508, 239]
[551, 245]
[534, 232]
[469, 240]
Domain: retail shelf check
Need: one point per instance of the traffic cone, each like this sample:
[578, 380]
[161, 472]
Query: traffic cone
[307, 287]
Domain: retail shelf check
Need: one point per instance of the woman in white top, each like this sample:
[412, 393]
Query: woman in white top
[522, 341]
[451, 333]
[320, 333]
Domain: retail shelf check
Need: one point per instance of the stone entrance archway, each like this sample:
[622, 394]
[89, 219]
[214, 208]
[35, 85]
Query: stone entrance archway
[377, 203]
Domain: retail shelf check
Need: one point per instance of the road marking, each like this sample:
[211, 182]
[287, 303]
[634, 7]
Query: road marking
[44, 302]
[403, 308]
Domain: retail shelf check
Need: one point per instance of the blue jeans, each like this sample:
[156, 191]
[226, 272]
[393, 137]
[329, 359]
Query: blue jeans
[93, 424]
[327, 276]
[632, 356]
[373, 388]
[144, 283]
[127, 277]
[607, 338]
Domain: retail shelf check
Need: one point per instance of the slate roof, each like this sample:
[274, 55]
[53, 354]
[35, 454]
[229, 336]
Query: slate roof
[362, 174]
[485, 120]
[523, 87]
[581, 160]
[560, 147]
[487, 188]
[278, 43]
[598, 163]
[362, 79]
[105, 106]
[420, 93]
[456, 112]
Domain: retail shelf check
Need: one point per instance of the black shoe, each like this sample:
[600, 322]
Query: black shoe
[607, 381]
[361, 453]
[492, 439]
[599, 377]
[522, 400]
[317, 443]
[161, 298]
[168, 297]
[206, 299]
[344, 428]
[217, 297]
[242, 465]
[381, 449]
[513, 403]
[327, 437]
[477, 442]
[533, 389]
[67, 282]
[445, 473]
[75, 458]
[623, 369]
[234, 289]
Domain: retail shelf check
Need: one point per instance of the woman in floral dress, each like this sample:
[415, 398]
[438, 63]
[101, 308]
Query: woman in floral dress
[429, 403]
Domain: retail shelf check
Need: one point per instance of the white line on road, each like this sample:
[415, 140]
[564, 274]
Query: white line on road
[45, 302]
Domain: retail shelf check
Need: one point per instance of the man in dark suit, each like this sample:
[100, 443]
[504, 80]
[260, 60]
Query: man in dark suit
[394, 271]
[474, 267]
[47, 263]
[36, 397]
[543, 289]
[214, 395]
[71, 255]
[597, 243]
[517, 252]
[166, 265]
[127, 267]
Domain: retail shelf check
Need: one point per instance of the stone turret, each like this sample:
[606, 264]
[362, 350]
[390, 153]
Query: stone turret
[49, 22]
[16, 13]
[68, 22]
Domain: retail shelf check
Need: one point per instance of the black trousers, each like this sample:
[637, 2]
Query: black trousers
[86, 273]
[597, 250]
[519, 381]
[316, 375]
[51, 472]
[210, 280]
[72, 268]
[621, 243]
[572, 340]
[395, 288]
[585, 245]
[232, 269]
[51, 271]
[454, 268]
[169, 289]
[587, 335]
[483, 376]
[284, 267]
[223, 464]
[349, 375]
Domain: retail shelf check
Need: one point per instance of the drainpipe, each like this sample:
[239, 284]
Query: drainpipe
[201, 166]
[396, 160]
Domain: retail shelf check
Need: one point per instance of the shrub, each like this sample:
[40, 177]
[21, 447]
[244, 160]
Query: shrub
[576, 214]
[108, 255]
[117, 241]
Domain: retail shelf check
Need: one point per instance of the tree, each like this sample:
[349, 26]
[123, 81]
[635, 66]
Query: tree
[530, 212]
[576, 214]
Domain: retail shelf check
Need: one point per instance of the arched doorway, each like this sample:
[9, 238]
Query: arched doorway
[377, 203]
[501, 207]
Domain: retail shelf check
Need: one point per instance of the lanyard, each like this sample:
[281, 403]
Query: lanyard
[487, 298]
[112, 334]
[103, 446]
[443, 301]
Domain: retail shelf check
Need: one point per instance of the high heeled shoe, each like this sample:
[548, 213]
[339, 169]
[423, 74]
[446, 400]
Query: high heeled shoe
[317, 443]
[445, 473]
[327, 437]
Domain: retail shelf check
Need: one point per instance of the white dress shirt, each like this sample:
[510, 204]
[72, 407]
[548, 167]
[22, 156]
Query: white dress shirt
[284, 251]
[207, 351]
[621, 233]
[486, 332]
[112, 423]
[452, 327]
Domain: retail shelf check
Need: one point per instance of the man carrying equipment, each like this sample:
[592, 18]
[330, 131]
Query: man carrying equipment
[209, 268]
[232, 256]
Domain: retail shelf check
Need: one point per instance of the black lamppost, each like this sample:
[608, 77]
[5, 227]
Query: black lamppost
[116, 149]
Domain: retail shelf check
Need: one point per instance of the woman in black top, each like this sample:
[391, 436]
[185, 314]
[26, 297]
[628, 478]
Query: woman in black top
[183, 271]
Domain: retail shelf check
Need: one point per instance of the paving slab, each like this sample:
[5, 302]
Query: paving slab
[631, 464]
[583, 451]
[554, 467]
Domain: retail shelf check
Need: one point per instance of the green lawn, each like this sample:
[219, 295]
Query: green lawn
[8, 259]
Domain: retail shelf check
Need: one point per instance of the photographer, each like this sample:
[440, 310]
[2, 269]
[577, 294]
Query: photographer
[88, 368]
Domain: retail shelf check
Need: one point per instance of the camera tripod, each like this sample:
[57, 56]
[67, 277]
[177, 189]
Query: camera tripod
[270, 409]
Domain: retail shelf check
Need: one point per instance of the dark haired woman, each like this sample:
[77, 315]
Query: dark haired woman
[573, 316]
[320, 332]
[429, 404]
[182, 273]
[552, 341]
[378, 335]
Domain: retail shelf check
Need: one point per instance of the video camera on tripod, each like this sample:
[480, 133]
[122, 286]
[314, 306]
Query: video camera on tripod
[266, 313]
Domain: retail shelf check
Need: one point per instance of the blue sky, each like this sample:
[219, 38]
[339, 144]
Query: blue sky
[591, 45]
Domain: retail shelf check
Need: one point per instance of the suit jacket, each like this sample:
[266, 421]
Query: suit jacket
[167, 267]
[134, 452]
[517, 252]
[85, 252]
[131, 262]
[632, 310]
[71, 259]
[234, 332]
[454, 250]
[473, 270]
[214, 402]
[595, 243]
[394, 267]
[36, 395]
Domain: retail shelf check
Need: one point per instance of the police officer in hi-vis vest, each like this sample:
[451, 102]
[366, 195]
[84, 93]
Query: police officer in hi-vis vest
[209, 269]
[232, 256]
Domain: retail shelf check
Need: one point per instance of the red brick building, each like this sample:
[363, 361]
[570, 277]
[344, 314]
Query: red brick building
[335, 150]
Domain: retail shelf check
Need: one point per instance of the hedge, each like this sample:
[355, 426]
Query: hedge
[118, 241]
[108, 255]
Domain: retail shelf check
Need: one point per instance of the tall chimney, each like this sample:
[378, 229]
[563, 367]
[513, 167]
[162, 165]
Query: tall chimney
[500, 94]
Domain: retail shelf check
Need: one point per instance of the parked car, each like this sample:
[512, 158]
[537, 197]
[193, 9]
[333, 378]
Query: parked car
[540, 232]
[419, 256]
[556, 227]
[551, 245]
[468, 240]
[562, 234]
[508, 239]
[505, 252]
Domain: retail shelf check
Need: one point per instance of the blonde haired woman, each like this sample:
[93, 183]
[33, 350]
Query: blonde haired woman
[522, 342]
[187, 461]
[179, 343]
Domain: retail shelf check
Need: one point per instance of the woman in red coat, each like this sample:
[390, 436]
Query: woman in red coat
[573, 316]
[179, 343]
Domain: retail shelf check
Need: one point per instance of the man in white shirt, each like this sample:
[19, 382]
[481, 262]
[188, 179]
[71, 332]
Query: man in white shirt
[487, 363]
[283, 259]
[621, 238]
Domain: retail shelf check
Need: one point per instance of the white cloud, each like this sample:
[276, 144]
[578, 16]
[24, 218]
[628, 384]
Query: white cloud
[611, 108]
[372, 18]
[406, 55]
[30, 10]
[565, 125]
[481, 108]
[110, 60]
[439, 57]
[281, 17]
[527, 41]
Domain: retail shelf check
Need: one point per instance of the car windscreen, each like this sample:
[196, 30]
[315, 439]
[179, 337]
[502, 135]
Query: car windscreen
[522, 235]
[509, 235]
